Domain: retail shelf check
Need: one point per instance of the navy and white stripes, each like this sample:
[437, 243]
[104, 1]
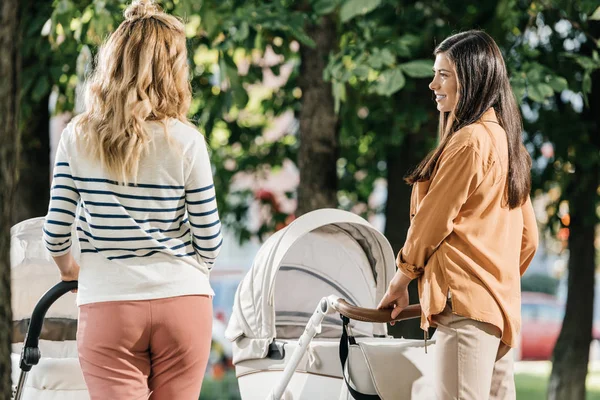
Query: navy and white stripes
[141, 220]
[64, 199]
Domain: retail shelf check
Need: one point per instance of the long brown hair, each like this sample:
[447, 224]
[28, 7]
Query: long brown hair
[141, 75]
[482, 84]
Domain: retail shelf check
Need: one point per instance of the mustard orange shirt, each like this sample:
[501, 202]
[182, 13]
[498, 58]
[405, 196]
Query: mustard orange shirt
[464, 239]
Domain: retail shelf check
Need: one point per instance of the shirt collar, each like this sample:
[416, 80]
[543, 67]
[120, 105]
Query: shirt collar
[489, 116]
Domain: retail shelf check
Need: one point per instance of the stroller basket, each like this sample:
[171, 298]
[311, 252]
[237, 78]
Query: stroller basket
[30, 355]
[330, 305]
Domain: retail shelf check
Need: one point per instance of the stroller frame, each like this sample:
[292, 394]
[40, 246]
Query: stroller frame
[30, 354]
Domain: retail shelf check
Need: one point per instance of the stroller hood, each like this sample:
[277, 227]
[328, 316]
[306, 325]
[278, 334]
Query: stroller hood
[324, 252]
[33, 272]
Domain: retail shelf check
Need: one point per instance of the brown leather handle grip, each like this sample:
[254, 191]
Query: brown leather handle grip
[375, 315]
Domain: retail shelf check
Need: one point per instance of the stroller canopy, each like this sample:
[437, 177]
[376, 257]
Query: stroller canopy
[33, 272]
[324, 252]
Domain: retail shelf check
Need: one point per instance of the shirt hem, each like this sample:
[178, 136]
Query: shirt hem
[147, 296]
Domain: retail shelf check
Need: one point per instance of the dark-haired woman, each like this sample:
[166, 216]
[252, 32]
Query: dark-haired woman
[473, 231]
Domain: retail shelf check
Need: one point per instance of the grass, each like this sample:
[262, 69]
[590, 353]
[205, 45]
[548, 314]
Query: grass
[531, 380]
[222, 389]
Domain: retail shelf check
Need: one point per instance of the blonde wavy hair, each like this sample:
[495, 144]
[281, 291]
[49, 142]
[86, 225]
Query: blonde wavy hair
[141, 75]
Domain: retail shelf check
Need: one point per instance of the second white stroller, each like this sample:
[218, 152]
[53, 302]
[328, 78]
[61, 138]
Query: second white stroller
[58, 375]
[285, 348]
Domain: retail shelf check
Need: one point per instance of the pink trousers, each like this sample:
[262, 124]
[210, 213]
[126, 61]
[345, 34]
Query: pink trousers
[148, 349]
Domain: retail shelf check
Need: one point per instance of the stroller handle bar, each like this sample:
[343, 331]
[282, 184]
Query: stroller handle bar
[375, 315]
[30, 354]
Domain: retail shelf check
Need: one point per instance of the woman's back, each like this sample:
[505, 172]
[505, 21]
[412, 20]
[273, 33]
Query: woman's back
[154, 238]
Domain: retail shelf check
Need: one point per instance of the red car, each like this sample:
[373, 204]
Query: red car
[541, 321]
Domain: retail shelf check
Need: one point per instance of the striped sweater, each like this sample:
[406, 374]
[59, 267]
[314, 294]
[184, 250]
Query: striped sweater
[155, 238]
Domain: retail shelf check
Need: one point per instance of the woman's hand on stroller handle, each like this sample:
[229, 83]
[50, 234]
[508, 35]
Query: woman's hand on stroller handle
[375, 315]
[396, 296]
[69, 268]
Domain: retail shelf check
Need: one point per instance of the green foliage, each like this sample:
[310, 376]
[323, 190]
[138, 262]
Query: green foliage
[564, 58]
[323, 7]
[37, 77]
[375, 60]
[540, 283]
[588, 65]
[389, 82]
[381, 66]
[353, 8]
[418, 68]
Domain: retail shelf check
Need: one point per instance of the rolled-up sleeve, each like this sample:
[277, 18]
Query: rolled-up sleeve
[64, 198]
[529, 242]
[459, 173]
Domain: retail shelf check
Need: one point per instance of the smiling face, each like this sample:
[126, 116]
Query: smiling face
[444, 83]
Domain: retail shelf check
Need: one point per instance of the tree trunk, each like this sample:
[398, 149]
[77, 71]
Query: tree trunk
[9, 150]
[400, 161]
[33, 189]
[319, 148]
[571, 353]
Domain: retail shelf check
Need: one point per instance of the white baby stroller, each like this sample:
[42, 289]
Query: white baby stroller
[57, 375]
[337, 262]
[45, 363]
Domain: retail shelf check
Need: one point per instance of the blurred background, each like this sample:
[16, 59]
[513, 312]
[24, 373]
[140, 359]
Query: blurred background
[324, 103]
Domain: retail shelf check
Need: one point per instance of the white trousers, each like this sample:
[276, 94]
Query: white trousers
[465, 365]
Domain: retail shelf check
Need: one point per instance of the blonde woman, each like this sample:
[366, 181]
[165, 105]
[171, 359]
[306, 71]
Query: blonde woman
[135, 178]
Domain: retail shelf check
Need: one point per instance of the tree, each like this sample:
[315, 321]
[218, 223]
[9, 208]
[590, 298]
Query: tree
[9, 150]
[319, 148]
[38, 74]
[571, 354]
[560, 40]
